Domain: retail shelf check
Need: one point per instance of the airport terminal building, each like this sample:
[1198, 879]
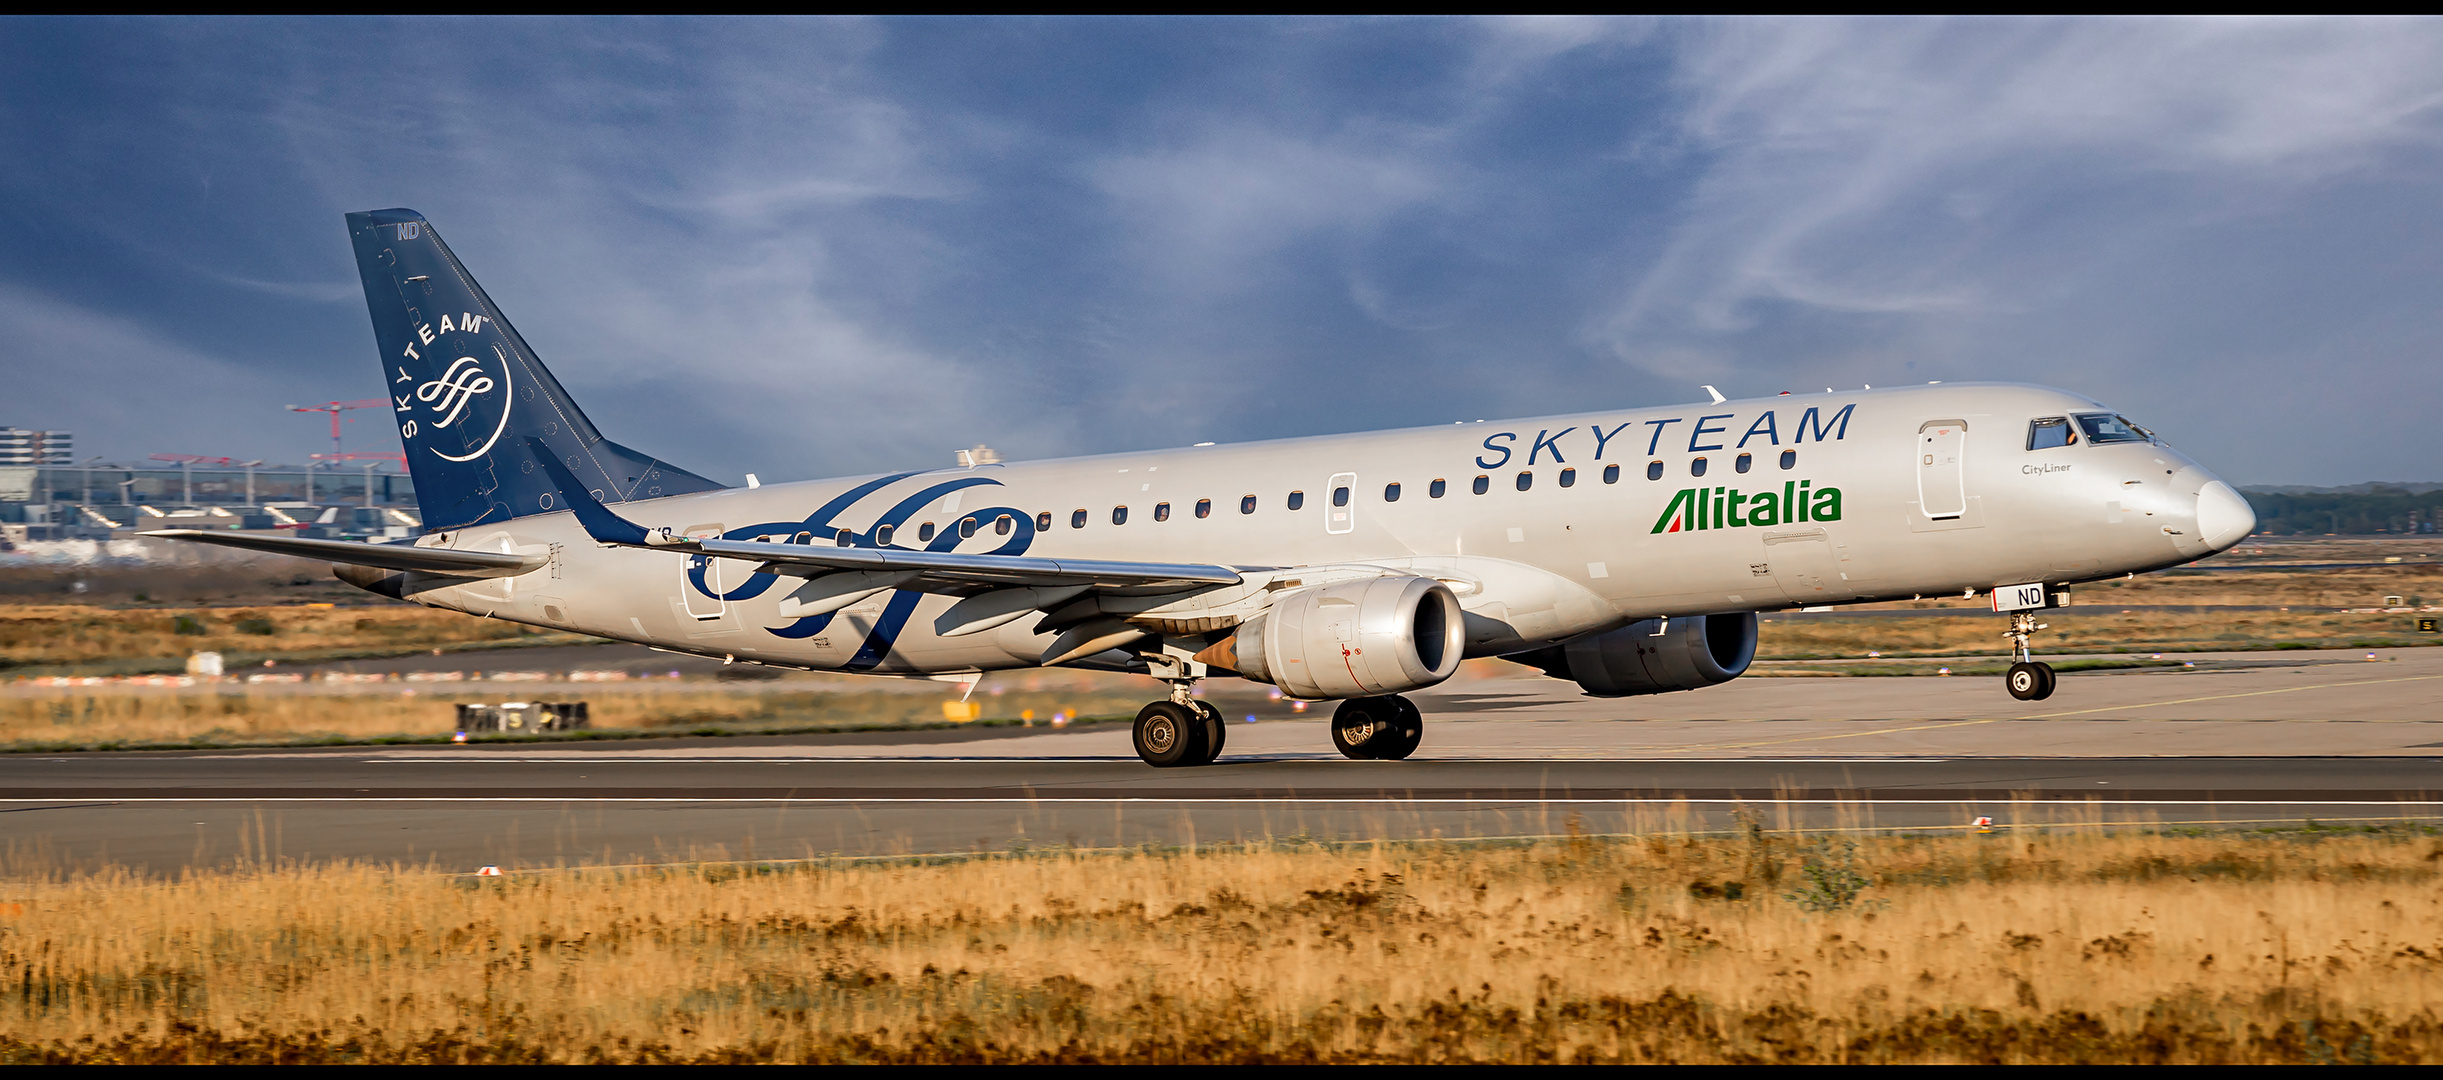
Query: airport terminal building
[46, 495]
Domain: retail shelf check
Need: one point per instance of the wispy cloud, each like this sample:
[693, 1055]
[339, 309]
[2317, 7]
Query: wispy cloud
[1881, 167]
[809, 247]
[114, 374]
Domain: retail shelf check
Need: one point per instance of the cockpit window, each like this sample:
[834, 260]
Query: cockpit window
[2107, 428]
[2051, 431]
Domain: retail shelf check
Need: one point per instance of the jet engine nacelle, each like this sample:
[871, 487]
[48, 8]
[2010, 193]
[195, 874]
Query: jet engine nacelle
[1358, 639]
[1655, 656]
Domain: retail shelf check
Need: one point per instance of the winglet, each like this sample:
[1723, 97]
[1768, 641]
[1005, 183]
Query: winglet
[600, 523]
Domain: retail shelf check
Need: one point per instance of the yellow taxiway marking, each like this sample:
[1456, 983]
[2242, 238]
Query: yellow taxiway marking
[2228, 697]
[1820, 738]
[2038, 716]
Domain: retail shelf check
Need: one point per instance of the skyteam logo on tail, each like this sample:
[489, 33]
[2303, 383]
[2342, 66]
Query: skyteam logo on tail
[1699, 509]
[465, 395]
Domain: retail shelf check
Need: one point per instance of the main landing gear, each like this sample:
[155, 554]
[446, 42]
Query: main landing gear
[2028, 679]
[1382, 728]
[1180, 731]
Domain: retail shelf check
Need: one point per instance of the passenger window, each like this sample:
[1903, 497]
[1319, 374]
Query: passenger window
[1340, 496]
[805, 538]
[1436, 489]
[1119, 515]
[2107, 428]
[1696, 467]
[1043, 522]
[1002, 525]
[924, 533]
[1162, 511]
[1077, 519]
[1654, 470]
[967, 527]
[1789, 459]
[844, 538]
[1740, 463]
[1204, 508]
[1391, 493]
[1569, 477]
[1611, 474]
[1483, 484]
[1246, 504]
[2049, 432]
[882, 536]
[1297, 500]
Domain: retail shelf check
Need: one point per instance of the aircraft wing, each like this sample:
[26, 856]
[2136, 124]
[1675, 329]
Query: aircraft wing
[384, 556]
[924, 570]
[951, 568]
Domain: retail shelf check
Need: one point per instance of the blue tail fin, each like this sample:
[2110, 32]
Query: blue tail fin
[473, 403]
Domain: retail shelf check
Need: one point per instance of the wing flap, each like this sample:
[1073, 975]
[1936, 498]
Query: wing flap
[384, 556]
[951, 569]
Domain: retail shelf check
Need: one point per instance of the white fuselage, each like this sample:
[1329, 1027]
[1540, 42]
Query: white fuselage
[1914, 491]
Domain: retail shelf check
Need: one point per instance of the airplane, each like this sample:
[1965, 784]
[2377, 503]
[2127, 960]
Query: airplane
[1627, 551]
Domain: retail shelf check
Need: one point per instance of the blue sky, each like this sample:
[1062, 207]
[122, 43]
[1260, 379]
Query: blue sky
[817, 247]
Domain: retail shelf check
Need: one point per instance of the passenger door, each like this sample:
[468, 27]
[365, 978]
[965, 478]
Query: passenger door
[1340, 503]
[1942, 491]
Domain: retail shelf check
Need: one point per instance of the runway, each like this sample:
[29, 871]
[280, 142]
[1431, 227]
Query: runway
[2324, 736]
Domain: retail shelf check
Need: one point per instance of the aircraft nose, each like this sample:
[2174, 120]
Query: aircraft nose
[2223, 517]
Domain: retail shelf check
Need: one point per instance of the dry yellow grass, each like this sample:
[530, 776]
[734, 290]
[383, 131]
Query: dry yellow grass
[52, 635]
[238, 714]
[90, 636]
[2062, 947]
[2083, 630]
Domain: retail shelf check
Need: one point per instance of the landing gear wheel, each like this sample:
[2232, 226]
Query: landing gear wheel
[2028, 679]
[1358, 725]
[2029, 682]
[1406, 731]
[1217, 731]
[1169, 735]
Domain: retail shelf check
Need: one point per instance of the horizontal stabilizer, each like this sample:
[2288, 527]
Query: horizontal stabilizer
[383, 556]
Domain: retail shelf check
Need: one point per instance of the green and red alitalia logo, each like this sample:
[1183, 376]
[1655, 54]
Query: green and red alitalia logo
[1699, 509]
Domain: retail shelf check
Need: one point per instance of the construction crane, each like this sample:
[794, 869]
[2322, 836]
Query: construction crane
[337, 407]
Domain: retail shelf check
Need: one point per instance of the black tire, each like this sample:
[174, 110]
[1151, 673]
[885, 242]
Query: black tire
[1168, 735]
[1357, 727]
[1406, 731]
[1217, 731]
[2045, 690]
[2028, 682]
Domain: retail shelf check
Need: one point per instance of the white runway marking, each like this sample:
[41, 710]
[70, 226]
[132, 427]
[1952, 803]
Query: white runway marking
[744, 760]
[1054, 798]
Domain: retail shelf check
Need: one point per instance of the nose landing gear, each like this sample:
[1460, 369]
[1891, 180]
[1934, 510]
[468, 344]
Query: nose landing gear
[2028, 678]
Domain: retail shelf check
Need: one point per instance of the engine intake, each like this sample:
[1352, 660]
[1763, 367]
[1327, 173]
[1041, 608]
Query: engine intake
[1655, 656]
[1359, 639]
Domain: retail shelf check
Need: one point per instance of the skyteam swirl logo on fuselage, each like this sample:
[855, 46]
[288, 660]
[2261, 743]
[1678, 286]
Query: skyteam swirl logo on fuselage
[902, 604]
